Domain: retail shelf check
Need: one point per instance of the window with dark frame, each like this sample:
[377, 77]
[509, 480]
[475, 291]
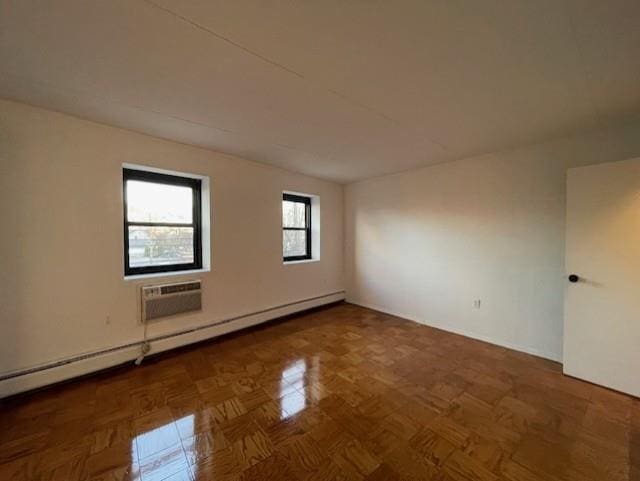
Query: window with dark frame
[162, 222]
[296, 227]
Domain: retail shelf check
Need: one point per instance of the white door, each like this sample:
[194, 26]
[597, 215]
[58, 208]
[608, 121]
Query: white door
[602, 309]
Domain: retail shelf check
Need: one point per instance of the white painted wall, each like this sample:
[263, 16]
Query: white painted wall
[61, 274]
[426, 243]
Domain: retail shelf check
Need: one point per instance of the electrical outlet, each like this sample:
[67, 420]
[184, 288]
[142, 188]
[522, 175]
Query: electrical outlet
[477, 303]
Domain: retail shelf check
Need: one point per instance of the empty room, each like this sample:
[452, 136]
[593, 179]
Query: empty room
[294, 240]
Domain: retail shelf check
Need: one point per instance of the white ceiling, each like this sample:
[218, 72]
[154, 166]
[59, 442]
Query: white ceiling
[338, 89]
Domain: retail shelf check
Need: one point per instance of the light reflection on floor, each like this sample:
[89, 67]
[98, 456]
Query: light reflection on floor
[293, 377]
[159, 452]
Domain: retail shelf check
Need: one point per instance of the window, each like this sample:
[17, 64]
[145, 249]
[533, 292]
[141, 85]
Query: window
[296, 227]
[162, 222]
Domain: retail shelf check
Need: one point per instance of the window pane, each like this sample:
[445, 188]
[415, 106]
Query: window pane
[294, 243]
[293, 214]
[153, 246]
[152, 202]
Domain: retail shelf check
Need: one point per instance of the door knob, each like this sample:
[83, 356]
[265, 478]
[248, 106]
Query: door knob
[574, 278]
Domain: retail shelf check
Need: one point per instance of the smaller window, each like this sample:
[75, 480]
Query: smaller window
[162, 222]
[296, 227]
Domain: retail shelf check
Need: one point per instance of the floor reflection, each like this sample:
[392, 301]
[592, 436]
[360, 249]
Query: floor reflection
[159, 451]
[292, 388]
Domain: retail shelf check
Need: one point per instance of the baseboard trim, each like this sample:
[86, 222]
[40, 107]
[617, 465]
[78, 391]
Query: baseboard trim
[51, 373]
[480, 337]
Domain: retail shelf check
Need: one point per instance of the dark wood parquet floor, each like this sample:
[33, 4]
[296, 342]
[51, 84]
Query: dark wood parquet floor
[343, 393]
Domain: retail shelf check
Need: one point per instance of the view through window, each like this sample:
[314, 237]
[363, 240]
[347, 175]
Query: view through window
[296, 227]
[162, 215]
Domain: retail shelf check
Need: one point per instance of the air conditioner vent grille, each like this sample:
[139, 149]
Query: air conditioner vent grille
[170, 299]
[173, 288]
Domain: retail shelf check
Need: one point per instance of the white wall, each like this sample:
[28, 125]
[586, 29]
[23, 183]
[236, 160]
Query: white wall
[426, 243]
[61, 246]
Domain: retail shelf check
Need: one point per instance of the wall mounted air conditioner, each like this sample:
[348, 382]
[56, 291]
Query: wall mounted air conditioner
[166, 300]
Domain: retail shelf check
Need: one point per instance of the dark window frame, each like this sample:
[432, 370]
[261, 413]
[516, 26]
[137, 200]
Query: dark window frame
[307, 202]
[196, 220]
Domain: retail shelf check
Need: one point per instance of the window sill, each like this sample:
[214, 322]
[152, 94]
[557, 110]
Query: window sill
[303, 261]
[156, 275]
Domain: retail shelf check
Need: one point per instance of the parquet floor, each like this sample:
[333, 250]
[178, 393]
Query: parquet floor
[343, 393]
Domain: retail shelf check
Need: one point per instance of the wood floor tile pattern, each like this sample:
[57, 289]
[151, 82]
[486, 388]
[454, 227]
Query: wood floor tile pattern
[343, 393]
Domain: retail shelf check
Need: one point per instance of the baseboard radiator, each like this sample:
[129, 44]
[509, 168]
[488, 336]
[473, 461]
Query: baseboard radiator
[50, 373]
